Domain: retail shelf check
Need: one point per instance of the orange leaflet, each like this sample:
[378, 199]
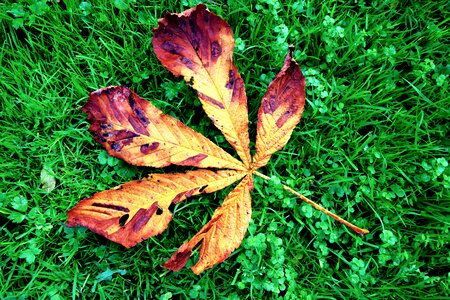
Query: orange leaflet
[220, 236]
[198, 45]
[137, 210]
[134, 130]
[280, 111]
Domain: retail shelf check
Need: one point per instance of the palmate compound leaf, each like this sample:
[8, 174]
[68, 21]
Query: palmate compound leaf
[197, 45]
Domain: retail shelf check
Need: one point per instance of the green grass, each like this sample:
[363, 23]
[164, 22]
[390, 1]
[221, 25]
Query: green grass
[373, 147]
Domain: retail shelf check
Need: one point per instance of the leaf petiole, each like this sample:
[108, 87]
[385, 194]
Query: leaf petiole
[317, 206]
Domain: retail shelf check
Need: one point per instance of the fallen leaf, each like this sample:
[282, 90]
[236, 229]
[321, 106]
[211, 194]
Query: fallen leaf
[197, 45]
[48, 180]
[108, 273]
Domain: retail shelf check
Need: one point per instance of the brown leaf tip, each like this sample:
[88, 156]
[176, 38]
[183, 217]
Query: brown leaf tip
[291, 50]
[178, 260]
[186, 13]
[110, 90]
[114, 105]
[168, 16]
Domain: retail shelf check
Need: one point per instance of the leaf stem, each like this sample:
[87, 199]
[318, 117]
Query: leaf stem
[317, 206]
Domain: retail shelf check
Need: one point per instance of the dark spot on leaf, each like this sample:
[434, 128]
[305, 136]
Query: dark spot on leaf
[159, 211]
[206, 18]
[230, 82]
[141, 115]
[193, 26]
[138, 125]
[193, 161]
[182, 23]
[125, 136]
[121, 138]
[195, 44]
[106, 134]
[280, 122]
[132, 102]
[171, 47]
[273, 103]
[123, 219]
[148, 148]
[178, 198]
[101, 139]
[105, 126]
[270, 105]
[143, 216]
[216, 50]
[286, 89]
[108, 91]
[115, 146]
[202, 189]
[111, 206]
[211, 100]
[187, 62]
[167, 32]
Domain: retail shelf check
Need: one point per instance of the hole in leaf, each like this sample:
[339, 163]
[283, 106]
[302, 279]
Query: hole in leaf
[202, 189]
[159, 211]
[172, 207]
[123, 219]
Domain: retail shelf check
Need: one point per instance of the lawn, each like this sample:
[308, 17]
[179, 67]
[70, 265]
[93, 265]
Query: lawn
[372, 146]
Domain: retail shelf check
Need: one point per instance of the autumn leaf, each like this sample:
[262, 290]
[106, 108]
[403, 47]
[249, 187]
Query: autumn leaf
[197, 45]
